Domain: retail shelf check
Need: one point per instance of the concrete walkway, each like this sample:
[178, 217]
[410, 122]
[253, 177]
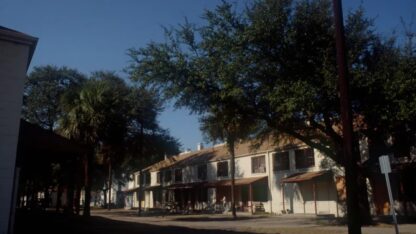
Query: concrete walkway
[249, 223]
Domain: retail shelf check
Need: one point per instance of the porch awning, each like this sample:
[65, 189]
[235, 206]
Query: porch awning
[152, 187]
[237, 182]
[131, 190]
[305, 176]
[185, 185]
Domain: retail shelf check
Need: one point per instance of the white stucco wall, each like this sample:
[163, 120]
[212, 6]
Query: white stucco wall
[298, 196]
[153, 178]
[13, 62]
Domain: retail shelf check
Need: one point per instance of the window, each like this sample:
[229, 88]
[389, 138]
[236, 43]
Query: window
[258, 164]
[138, 180]
[281, 161]
[304, 158]
[222, 169]
[147, 178]
[158, 177]
[202, 172]
[168, 176]
[178, 175]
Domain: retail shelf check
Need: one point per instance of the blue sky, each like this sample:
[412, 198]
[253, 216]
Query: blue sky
[92, 35]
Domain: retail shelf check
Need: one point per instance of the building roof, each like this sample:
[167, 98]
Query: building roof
[300, 177]
[237, 182]
[34, 141]
[7, 34]
[220, 152]
[185, 185]
[131, 190]
[167, 162]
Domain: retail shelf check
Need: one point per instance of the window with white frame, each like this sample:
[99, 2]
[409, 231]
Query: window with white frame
[137, 179]
[304, 158]
[258, 164]
[147, 178]
[158, 177]
[167, 176]
[202, 172]
[281, 161]
[178, 175]
[222, 169]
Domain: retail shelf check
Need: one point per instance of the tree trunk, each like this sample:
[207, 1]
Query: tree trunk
[365, 214]
[87, 183]
[232, 152]
[58, 197]
[139, 193]
[70, 198]
[33, 195]
[77, 199]
[78, 185]
[376, 148]
[70, 174]
[105, 198]
[141, 172]
[47, 197]
[110, 181]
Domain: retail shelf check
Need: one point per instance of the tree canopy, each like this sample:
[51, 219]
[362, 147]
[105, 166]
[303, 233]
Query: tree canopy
[43, 91]
[115, 120]
[274, 62]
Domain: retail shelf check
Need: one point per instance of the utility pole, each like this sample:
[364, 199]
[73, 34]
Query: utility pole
[353, 210]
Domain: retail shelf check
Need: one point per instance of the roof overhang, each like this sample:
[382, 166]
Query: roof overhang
[305, 176]
[7, 34]
[185, 185]
[152, 187]
[237, 182]
[131, 190]
[38, 144]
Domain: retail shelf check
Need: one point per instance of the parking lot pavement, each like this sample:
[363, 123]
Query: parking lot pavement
[250, 223]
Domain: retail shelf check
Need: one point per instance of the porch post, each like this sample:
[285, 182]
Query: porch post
[200, 198]
[251, 198]
[283, 195]
[182, 200]
[216, 195]
[314, 196]
[196, 197]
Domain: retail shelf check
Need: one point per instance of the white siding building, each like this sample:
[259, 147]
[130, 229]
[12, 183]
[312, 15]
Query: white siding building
[16, 50]
[286, 178]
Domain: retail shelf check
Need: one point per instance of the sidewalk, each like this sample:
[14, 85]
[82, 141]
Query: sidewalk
[251, 223]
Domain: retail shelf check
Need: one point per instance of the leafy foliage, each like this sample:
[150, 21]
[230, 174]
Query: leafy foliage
[275, 63]
[43, 91]
[104, 114]
[271, 69]
[108, 114]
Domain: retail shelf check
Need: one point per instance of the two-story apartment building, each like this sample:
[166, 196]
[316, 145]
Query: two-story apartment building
[283, 178]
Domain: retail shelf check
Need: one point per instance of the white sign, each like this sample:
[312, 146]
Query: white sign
[386, 169]
[384, 164]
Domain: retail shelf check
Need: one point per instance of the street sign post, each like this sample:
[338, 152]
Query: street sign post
[386, 169]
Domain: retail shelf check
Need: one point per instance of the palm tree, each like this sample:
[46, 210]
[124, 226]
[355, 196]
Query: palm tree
[81, 122]
[96, 116]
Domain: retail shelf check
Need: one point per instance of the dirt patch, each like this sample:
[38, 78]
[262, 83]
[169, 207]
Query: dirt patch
[48, 223]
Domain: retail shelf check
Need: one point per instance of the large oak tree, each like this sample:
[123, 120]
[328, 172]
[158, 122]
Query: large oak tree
[275, 61]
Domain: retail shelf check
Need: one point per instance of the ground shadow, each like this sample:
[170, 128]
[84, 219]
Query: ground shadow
[215, 218]
[45, 223]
